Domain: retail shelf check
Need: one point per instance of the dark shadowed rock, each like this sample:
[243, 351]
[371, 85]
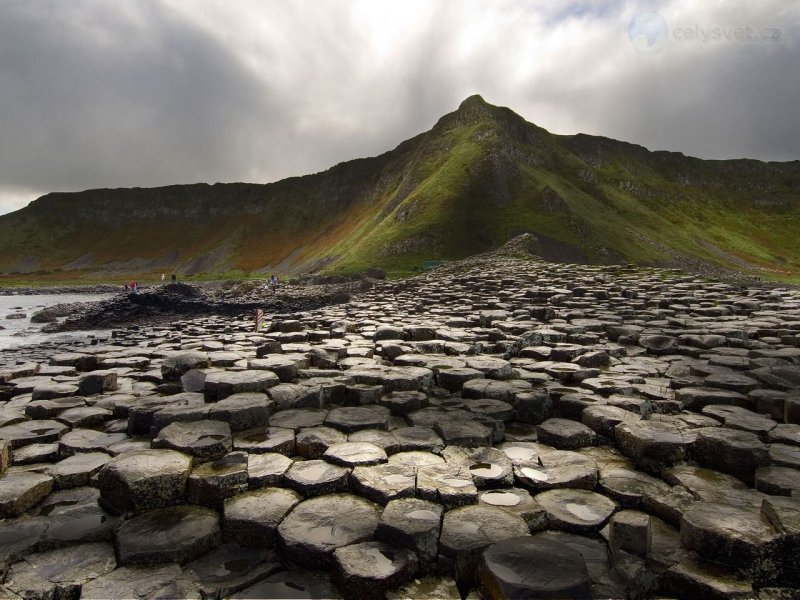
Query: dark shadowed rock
[174, 534]
[738, 453]
[468, 530]
[60, 573]
[532, 567]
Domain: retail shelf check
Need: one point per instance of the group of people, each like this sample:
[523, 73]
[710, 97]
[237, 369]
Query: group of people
[133, 286]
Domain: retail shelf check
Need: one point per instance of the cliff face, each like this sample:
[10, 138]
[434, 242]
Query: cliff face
[481, 175]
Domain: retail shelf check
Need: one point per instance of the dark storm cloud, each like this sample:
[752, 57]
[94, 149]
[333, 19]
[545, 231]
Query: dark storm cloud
[117, 94]
[151, 92]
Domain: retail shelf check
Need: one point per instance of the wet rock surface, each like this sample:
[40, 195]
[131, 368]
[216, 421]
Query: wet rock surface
[630, 432]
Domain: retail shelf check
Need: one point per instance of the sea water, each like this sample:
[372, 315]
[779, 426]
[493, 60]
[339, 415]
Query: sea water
[21, 332]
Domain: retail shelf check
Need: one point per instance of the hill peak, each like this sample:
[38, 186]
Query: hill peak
[474, 101]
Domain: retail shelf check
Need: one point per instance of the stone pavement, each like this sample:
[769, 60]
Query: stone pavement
[499, 427]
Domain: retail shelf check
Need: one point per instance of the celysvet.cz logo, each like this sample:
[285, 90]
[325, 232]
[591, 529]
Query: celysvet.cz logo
[649, 33]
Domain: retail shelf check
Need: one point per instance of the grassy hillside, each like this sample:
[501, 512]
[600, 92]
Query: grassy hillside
[480, 176]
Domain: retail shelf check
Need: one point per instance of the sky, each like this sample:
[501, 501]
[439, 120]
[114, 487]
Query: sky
[124, 93]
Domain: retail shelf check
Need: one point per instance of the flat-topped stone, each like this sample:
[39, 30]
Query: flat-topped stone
[50, 408]
[738, 453]
[557, 469]
[180, 363]
[252, 518]
[468, 530]
[203, 440]
[312, 442]
[565, 434]
[353, 454]
[316, 477]
[81, 440]
[21, 491]
[296, 419]
[77, 470]
[158, 581]
[414, 524]
[243, 411]
[447, 484]
[210, 483]
[230, 567]
[173, 534]
[143, 480]
[577, 511]
[353, 418]
[221, 384]
[470, 434]
[62, 572]
[32, 432]
[384, 483]
[724, 533]
[141, 413]
[533, 567]
[261, 440]
[266, 469]
[315, 528]
[369, 569]
[652, 445]
[49, 391]
[518, 502]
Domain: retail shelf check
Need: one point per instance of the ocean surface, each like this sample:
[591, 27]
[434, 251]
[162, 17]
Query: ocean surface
[21, 332]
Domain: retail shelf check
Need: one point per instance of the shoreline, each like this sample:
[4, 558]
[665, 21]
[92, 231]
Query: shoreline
[51, 289]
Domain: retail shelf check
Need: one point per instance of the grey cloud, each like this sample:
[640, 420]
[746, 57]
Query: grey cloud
[152, 92]
[94, 95]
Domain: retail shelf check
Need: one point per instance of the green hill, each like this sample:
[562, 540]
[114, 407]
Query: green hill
[481, 175]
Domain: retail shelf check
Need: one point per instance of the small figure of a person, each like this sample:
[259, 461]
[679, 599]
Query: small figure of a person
[126, 287]
[174, 278]
[163, 277]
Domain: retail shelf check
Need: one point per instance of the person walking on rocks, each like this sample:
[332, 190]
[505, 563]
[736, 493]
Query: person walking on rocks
[174, 278]
[163, 277]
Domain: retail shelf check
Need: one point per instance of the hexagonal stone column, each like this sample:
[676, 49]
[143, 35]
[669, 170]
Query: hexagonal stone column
[533, 567]
[315, 528]
[204, 440]
[143, 480]
[252, 519]
[366, 571]
[174, 534]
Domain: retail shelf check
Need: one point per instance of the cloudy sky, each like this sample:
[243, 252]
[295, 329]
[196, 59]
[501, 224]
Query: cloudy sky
[111, 93]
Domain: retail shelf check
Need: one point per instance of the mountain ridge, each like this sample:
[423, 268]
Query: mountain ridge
[479, 176]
